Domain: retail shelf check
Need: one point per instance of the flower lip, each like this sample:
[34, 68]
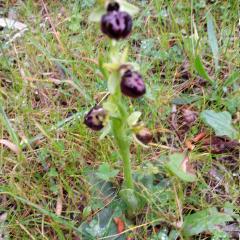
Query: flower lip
[132, 84]
[113, 6]
[116, 24]
[95, 118]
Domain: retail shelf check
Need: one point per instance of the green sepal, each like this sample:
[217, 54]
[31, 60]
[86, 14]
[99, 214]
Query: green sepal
[96, 14]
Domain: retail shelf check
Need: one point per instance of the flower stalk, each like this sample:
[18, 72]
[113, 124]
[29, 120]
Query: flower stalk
[123, 81]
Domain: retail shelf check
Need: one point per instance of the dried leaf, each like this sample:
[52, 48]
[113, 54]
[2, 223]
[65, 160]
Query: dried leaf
[199, 137]
[13, 147]
[219, 145]
[189, 116]
[9, 23]
[187, 167]
[59, 206]
[189, 145]
[120, 224]
[3, 217]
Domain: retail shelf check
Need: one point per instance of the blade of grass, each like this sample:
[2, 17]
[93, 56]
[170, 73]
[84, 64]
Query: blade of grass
[231, 79]
[201, 70]
[67, 223]
[212, 39]
[6, 122]
[57, 126]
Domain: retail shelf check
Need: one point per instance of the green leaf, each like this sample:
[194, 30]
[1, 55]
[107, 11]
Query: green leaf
[185, 99]
[205, 220]
[130, 199]
[201, 70]
[133, 118]
[103, 225]
[86, 211]
[110, 107]
[128, 7]
[97, 14]
[6, 122]
[212, 39]
[106, 130]
[221, 122]
[74, 24]
[105, 172]
[175, 165]
[231, 79]
[53, 172]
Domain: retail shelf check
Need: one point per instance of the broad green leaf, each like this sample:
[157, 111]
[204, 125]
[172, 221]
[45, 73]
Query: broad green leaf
[97, 14]
[212, 39]
[231, 79]
[100, 189]
[201, 70]
[205, 220]
[128, 7]
[105, 172]
[176, 166]
[221, 122]
[130, 199]
[133, 118]
[103, 225]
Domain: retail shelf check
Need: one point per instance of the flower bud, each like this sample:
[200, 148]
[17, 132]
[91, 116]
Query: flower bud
[113, 6]
[95, 118]
[116, 24]
[132, 84]
[144, 136]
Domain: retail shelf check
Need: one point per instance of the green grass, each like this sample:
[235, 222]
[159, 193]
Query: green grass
[45, 79]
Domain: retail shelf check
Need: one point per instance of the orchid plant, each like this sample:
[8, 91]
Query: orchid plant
[124, 80]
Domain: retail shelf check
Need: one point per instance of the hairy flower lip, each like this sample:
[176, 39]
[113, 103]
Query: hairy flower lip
[94, 119]
[116, 24]
[132, 84]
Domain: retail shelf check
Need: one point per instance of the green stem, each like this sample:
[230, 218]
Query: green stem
[119, 125]
[123, 144]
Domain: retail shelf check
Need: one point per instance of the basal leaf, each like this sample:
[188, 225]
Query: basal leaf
[105, 172]
[201, 70]
[177, 164]
[205, 220]
[221, 122]
[212, 39]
